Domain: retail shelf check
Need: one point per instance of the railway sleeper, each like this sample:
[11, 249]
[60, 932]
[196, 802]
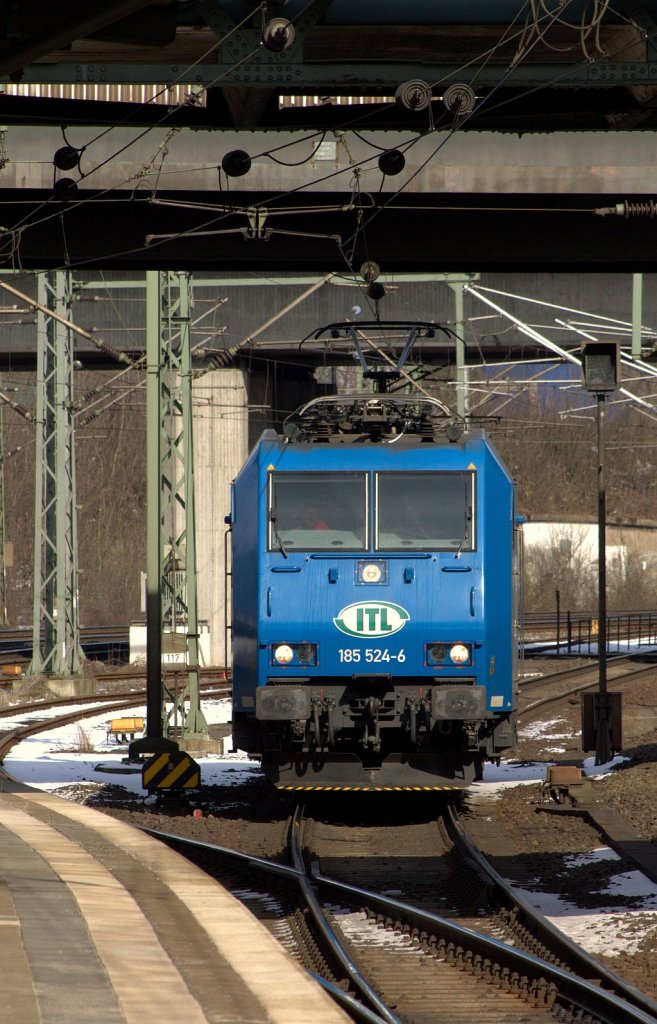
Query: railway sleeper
[526, 939]
[536, 992]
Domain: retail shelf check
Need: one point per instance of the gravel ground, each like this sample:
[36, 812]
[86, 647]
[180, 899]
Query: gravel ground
[631, 786]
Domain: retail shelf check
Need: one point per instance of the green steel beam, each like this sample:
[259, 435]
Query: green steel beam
[253, 282]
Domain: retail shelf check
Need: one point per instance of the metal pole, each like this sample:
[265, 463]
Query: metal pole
[603, 742]
[461, 368]
[637, 314]
[558, 597]
[3, 537]
[458, 283]
[154, 701]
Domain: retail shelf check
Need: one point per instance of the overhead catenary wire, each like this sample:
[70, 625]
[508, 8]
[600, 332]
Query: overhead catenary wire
[646, 408]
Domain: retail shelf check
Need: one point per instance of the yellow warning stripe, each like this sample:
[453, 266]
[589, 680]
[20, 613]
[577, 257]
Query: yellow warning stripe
[367, 789]
[152, 773]
[154, 768]
[179, 770]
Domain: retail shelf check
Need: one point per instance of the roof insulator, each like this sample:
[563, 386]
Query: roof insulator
[459, 99]
[278, 35]
[414, 95]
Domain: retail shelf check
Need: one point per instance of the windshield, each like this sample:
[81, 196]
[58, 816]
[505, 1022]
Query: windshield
[318, 511]
[425, 511]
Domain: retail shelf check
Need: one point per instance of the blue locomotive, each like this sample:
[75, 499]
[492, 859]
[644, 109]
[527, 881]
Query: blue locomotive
[373, 598]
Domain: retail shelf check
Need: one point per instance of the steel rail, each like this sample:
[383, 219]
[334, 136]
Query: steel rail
[537, 681]
[14, 736]
[299, 876]
[586, 995]
[539, 925]
[323, 926]
[134, 697]
[544, 702]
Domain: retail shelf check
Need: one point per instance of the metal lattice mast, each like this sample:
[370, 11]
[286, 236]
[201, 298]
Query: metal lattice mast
[177, 509]
[56, 628]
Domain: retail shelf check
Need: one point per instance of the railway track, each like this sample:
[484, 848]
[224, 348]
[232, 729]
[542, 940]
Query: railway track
[405, 935]
[396, 929]
[98, 702]
[540, 695]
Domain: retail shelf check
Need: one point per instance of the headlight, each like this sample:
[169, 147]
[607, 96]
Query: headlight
[371, 571]
[283, 654]
[293, 654]
[445, 653]
[460, 654]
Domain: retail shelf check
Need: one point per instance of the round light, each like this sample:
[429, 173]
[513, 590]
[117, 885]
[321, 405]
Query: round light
[283, 654]
[371, 573]
[459, 654]
[437, 652]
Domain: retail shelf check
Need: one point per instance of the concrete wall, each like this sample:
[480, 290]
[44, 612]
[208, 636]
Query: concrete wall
[619, 162]
[220, 447]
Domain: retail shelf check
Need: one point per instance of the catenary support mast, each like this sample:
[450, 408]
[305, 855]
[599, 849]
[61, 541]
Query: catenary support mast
[177, 534]
[56, 627]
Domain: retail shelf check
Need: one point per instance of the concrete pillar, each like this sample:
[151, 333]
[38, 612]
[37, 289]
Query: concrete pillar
[220, 447]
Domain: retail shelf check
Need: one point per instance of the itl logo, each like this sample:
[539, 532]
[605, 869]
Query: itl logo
[380, 619]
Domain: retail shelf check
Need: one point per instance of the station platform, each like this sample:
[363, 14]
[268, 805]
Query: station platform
[102, 924]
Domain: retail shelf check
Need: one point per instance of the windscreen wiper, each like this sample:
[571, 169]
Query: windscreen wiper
[276, 535]
[468, 519]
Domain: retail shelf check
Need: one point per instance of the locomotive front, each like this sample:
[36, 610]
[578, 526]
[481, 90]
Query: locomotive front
[373, 602]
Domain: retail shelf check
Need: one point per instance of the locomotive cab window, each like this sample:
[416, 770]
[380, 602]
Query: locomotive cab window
[425, 511]
[318, 511]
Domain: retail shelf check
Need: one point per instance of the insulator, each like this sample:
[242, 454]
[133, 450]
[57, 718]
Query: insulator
[392, 162]
[278, 35]
[414, 95]
[369, 271]
[65, 189]
[647, 208]
[66, 158]
[459, 99]
[236, 163]
[375, 291]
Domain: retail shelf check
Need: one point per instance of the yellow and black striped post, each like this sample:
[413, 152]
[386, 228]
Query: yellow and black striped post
[170, 770]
